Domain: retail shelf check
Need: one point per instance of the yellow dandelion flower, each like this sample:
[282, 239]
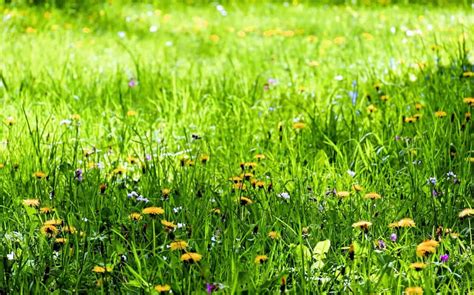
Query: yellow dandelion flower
[133, 160]
[69, 229]
[191, 257]
[418, 106]
[236, 179]
[153, 211]
[53, 222]
[101, 269]
[468, 74]
[259, 184]
[372, 196]
[239, 186]
[414, 291]
[260, 156]
[440, 114]
[46, 210]
[405, 222]
[165, 192]
[371, 109]
[119, 171]
[49, 230]
[245, 201]
[469, 101]
[131, 113]
[135, 216]
[75, 117]
[178, 245]
[468, 212]
[60, 241]
[31, 202]
[273, 235]
[168, 224]
[384, 98]
[343, 194]
[357, 188]
[299, 125]
[364, 225]
[261, 259]
[39, 175]
[204, 159]
[417, 116]
[247, 176]
[30, 30]
[426, 248]
[10, 121]
[410, 120]
[162, 288]
[418, 266]
[216, 211]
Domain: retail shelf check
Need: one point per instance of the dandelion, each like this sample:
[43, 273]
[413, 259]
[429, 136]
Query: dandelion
[153, 211]
[75, 117]
[31, 202]
[261, 259]
[162, 288]
[244, 201]
[259, 156]
[132, 113]
[469, 101]
[191, 257]
[204, 159]
[410, 120]
[55, 222]
[61, 241]
[342, 194]
[69, 229]
[101, 269]
[363, 225]
[169, 226]
[299, 125]
[444, 258]
[440, 114]
[216, 211]
[413, 291]
[119, 171]
[357, 188]
[165, 192]
[468, 212]
[135, 216]
[405, 222]
[372, 196]
[418, 106]
[39, 175]
[178, 245]
[418, 266]
[427, 247]
[273, 235]
[49, 230]
[46, 210]
[371, 109]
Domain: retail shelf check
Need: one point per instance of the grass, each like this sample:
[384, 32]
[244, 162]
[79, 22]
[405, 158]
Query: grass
[301, 109]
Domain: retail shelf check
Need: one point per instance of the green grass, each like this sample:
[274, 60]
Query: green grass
[233, 87]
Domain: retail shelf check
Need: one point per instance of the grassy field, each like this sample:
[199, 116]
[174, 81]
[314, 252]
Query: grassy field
[233, 148]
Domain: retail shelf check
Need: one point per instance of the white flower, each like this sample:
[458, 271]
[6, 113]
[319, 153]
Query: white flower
[284, 195]
[181, 225]
[339, 78]
[65, 122]
[177, 209]
[121, 34]
[153, 29]
[11, 256]
[351, 173]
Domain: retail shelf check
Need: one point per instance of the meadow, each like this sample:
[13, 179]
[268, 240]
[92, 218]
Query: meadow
[236, 148]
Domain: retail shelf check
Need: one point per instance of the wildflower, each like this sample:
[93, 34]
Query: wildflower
[405, 222]
[357, 188]
[273, 235]
[101, 269]
[169, 226]
[425, 248]
[261, 259]
[371, 109]
[31, 202]
[69, 229]
[61, 241]
[444, 258]
[468, 212]
[132, 83]
[78, 175]
[216, 211]
[414, 291]
[259, 184]
[245, 201]
[372, 196]
[239, 186]
[469, 101]
[53, 222]
[351, 173]
[135, 216]
[204, 159]
[119, 171]
[191, 257]
[39, 175]
[178, 245]
[363, 225]
[11, 256]
[153, 211]
[284, 195]
[49, 230]
[132, 160]
[9, 121]
[393, 237]
[468, 74]
[165, 192]
[410, 119]
[299, 125]
[418, 266]
[162, 288]
[342, 194]
[46, 210]
[431, 180]
[440, 114]
[384, 98]
[236, 179]
[418, 106]
[381, 244]
[75, 117]
[211, 288]
[131, 113]
[259, 156]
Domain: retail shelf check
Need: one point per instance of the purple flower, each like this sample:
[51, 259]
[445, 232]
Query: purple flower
[435, 193]
[431, 180]
[397, 137]
[132, 83]
[444, 258]
[381, 245]
[211, 288]
[78, 174]
[393, 237]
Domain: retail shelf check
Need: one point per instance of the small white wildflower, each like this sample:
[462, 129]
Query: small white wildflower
[153, 29]
[339, 78]
[181, 225]
[65, 122]
[177, 209]
[11, 255]
[351, 173]
[284, 195]
[121, 34]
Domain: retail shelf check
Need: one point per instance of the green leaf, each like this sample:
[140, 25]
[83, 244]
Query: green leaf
[320, 250]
